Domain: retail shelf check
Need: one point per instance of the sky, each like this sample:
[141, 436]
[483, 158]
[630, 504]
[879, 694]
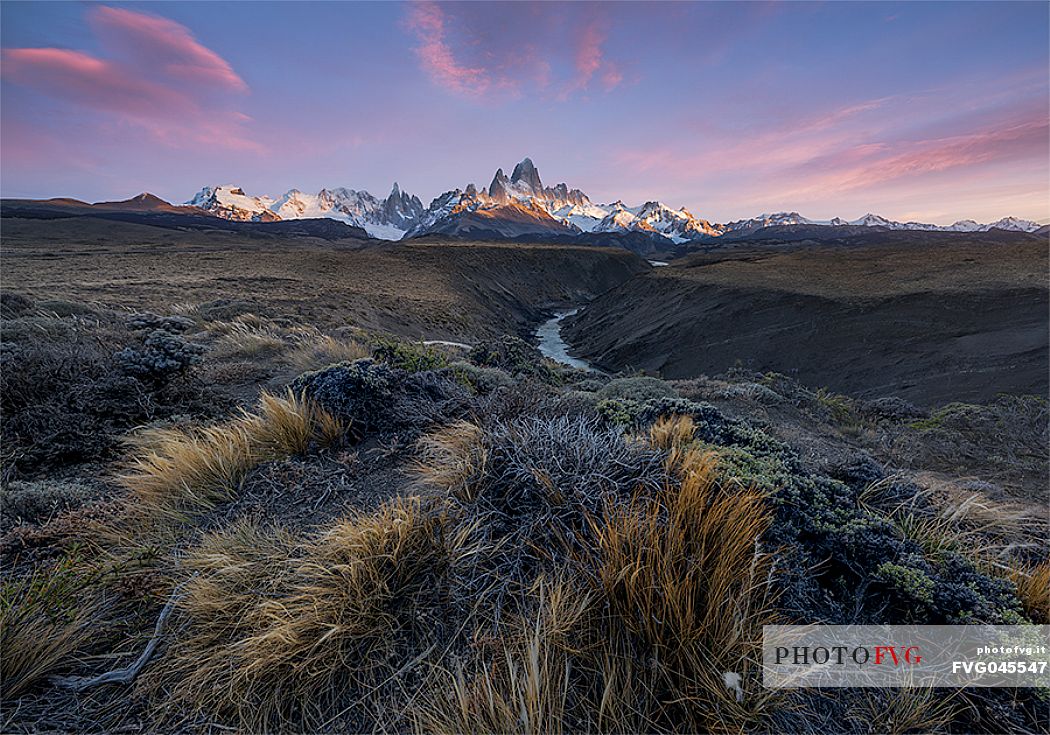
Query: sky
[933, 111]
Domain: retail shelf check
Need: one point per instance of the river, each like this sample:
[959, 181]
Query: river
[553, 346]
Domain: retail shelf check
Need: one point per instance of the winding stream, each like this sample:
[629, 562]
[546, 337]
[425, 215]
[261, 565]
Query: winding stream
[553, 346]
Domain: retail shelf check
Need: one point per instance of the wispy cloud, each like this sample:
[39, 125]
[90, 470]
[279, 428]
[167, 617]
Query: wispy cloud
[163, 46]
[854, 150]
[86, 80]
[591, 58]
[507, 50]
[154, 76]
[427, 20]
[870, 165]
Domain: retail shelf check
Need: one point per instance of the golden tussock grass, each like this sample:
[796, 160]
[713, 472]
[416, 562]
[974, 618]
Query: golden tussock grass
[525, 691]
[683, 574]
[323, 350]
[1033, 589]
[529, 684]
[44, 620]
[900, 711]
[184, 470]
[672, 433]
[451, 457]
[281, 634]
[244, 342]
[990, 532]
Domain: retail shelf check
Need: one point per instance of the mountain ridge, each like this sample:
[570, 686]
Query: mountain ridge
[511, 207]
[509, 201]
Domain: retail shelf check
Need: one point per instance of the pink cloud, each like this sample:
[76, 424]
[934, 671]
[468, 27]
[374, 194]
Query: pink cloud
[590, 59]
[427, 19]
[155, 77]
[508, 49]
[163, 45]
[589, 54]
[612, 76]
[857, 152]
[86, 80]
[873, 164]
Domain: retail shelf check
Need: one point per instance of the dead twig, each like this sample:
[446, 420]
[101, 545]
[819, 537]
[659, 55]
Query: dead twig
[127, 674]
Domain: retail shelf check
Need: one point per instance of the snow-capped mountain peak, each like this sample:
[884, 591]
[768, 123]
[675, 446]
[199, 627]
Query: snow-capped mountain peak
[383, 218]
[677, 225]
[527, 207]
[1014, 224]
[967, 225]
[230, 202]
[872, 220]
[525, 173]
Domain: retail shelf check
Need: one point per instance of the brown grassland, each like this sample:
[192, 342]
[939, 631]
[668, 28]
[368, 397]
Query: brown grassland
[240, 493]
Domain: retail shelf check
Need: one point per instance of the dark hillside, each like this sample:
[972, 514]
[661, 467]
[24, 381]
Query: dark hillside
[956, 318]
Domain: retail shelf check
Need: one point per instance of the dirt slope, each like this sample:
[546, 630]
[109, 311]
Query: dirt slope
[930, 322]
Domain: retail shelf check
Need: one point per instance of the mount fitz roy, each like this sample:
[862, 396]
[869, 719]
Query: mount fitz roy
[521, 206]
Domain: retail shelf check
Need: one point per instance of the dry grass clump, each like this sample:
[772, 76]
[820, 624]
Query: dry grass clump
[654, 623]
[900, 711]
[45, 619]
[672, 432]
[285, 635]
[452, 458]
[528, 688]
[288, 425]
[193, 469]
[683, 576]
[324, 350]
[303, 347]
[988, 531]
[243, 341]
[1033, 589]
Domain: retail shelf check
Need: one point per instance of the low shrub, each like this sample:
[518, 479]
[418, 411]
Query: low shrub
[162, 357]
[148, 321]
[1004, 440]
[891, 409]
[37, 501]
[588, 385]
[375, 397]
[66, 395]
[637, 389]
[412, 357]
[479, 379]
[13, 305]
[515, 356]
[533, 483]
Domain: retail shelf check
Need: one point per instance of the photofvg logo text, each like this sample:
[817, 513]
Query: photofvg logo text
[906, 656]
[892, 655]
